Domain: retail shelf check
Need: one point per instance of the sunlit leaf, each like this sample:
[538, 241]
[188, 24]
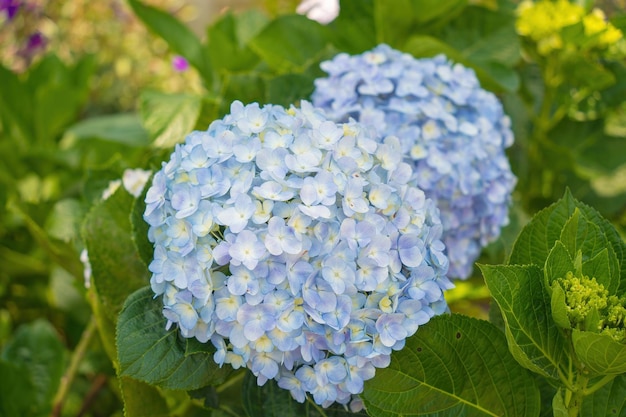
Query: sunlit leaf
[168, 118]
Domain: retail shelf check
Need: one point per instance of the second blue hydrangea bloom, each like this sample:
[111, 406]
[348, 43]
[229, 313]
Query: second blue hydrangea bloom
[453, 132]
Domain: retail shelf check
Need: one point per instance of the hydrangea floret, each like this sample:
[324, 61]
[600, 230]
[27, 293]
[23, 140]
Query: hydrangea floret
[452, 132]
[296, 246]
[588, 303]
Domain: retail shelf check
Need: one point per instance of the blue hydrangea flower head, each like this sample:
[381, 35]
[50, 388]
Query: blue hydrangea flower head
[451, 131]
[296, 246]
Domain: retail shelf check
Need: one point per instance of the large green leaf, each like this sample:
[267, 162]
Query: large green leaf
[537, 238]
[599, 352]
[534, 339]
[178, 36]
[270, 400]
[398, 20]
[609, 401]
[291, 43]
[454, 365]
[168, 118]
[228, 47]
[352, 29]
[116, 267]
[149, 353]
[39, 355]
[122, 128]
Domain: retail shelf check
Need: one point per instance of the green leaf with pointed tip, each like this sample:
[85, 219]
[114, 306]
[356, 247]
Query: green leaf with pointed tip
[580, 235]
[603, 267]
[453, 365]
[537, 238]
[168, 118]
[534, 339]
[291, 42]
[117, 270]
[558, 405]
[149, 353]
[599, 352]
[178, 36]
[608, 401]
[558, 306]
[558, 264]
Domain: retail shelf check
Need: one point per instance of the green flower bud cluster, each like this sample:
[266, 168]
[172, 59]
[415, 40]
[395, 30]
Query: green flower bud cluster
[590, 307]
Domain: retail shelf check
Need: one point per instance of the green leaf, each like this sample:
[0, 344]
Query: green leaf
[228, 47]
[608, 401]
[64, 221]
[140, 227]
[178, 36]
[534, 339]
[39, 355]
[558, 264]
[168, 118]
[149, 353]
[538, 237]
[599, 352]
[398, 20]
[558, 405]
[16, 389]
[291, 43]
[352, 29]
[16, 109]
[58, 93]
[558, 306]
[116, 267]
[289, 88]
[141, 399]
[124, 128]
[603, 268]
[455, 365]
[580, 235]
[270, 400]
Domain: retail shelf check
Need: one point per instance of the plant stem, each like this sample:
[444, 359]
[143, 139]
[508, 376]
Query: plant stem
[70, 373]
[605, 380]
[576, 397]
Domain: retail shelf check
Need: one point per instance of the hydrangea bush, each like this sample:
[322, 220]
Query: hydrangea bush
[452, 132]
[297, 246]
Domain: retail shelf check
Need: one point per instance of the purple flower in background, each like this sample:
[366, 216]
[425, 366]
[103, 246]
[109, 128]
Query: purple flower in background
[179, 63]
[10, 7]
